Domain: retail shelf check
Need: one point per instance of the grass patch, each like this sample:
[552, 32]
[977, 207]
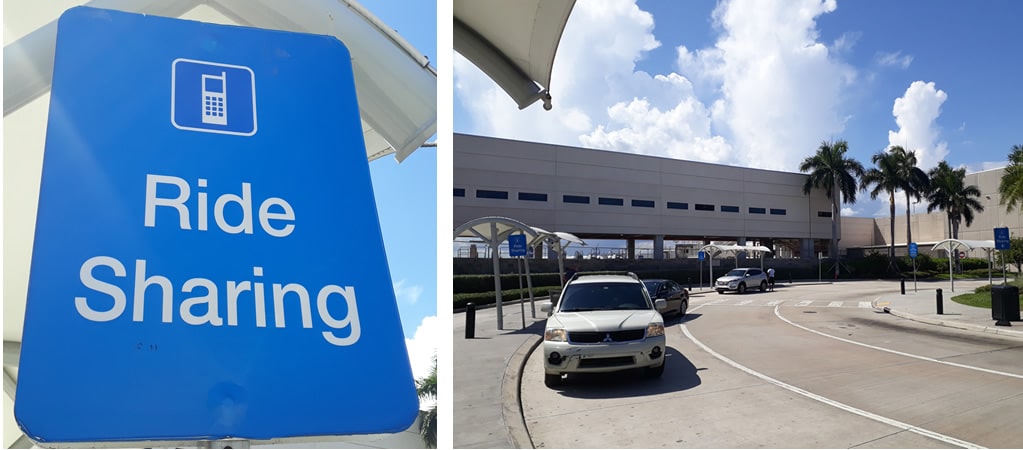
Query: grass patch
[981, 297]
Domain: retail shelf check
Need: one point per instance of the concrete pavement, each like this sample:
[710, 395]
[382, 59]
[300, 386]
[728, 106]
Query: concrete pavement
[921, 306]
[486, 376]
[488, 368]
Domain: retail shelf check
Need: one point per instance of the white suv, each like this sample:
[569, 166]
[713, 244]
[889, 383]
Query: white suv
[742, 279]
[602, 323]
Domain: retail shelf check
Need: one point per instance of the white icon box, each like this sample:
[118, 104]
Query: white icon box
[199, 97]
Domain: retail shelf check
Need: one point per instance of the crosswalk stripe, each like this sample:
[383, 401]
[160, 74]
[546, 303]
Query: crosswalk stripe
[804, 303]
[865, 305]
[835, 305]
[744, 302]
[775, 302]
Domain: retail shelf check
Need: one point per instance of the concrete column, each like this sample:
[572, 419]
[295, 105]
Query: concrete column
[630, 246]
[740, 258]
[806, 249]
[659, 247]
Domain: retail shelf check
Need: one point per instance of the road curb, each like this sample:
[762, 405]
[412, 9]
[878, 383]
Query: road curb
[1001, 331]
[511, 388]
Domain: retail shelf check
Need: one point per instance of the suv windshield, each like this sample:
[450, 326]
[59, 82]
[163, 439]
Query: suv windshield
[604, 297]
[736, 273]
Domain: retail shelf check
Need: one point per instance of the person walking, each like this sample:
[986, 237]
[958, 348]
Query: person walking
[770, 278]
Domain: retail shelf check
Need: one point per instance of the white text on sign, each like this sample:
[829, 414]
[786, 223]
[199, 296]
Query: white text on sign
[276, 218]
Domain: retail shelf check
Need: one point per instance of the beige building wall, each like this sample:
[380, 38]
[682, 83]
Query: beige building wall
[765, 204]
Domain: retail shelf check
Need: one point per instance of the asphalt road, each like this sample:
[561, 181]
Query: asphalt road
[807, 366]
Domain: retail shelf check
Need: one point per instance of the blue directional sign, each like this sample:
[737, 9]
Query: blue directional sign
[1002, 241]
[208, 261]
[517, 245]
[913, 250]
[701, 256]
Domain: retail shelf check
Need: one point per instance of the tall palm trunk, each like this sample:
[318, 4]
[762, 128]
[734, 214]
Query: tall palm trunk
[891, 246]
[836, 224]
[909, 225]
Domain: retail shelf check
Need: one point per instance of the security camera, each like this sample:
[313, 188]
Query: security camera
[547, 101]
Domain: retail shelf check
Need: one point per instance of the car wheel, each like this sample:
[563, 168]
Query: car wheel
[763, 286]
[655, 372]
[742, 288]
[552, 380]
[682, 307]
[721, 291]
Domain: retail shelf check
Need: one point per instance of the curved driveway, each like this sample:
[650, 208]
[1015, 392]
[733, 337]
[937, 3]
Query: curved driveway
[804, 366]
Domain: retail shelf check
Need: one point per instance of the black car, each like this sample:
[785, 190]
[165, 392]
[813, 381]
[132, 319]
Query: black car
[675, 296]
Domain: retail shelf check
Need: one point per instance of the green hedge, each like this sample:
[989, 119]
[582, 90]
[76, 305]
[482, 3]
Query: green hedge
[490, 298]
[467, 284]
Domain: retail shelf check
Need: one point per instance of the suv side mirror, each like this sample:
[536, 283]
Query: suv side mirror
[546, 307]
[660, 303]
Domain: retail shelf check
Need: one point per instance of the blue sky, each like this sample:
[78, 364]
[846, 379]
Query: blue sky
[762, 83]
[406, 196]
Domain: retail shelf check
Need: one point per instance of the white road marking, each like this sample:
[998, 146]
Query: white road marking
[744, 302]
[865, 305]
[828, 401]
[804, 303]
[777, 312]
[835, 305]
[775, 302]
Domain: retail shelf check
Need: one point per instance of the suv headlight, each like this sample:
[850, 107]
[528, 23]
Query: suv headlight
[555, 335]
[655, 329]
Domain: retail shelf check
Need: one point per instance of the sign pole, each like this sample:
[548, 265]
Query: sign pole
[522, 301]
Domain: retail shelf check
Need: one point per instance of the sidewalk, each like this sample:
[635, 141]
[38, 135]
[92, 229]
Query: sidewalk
[487, 370]
[921, 306]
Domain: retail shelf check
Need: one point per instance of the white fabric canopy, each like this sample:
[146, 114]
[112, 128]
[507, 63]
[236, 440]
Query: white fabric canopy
[513, 42]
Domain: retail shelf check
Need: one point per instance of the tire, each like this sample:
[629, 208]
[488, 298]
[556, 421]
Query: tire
[683, 307]
[721, 292]
[552, 380]
[742, 288]
[655, 372]
[763, 286]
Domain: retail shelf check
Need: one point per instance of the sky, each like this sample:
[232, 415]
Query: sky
[761, 83]
[406, 196]
[405, 193]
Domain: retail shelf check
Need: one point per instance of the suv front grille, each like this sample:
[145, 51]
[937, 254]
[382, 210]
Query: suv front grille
[607, 362]
[593, 337]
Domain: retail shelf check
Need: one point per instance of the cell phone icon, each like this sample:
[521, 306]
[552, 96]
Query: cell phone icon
[214, 99]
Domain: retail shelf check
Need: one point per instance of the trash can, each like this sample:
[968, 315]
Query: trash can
[1005, 303]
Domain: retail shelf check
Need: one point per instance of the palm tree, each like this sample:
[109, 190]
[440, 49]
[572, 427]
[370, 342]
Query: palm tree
[1011, 186]
[886, 177]
[916, 183]
[950, 194]
[837, 175]
[426, 387]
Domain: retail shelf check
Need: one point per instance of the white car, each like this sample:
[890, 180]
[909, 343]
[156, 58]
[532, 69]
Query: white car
[603, 323]
[741, 279]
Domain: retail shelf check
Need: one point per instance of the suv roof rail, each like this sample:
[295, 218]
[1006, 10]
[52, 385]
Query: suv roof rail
[605, 272]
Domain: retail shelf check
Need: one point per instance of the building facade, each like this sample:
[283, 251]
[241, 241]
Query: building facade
[598, 194]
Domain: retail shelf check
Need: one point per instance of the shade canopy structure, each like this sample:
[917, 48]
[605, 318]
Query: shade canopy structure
[395, 83]
[554, 240]
[494, 230]
[953, 245]
[513, 42]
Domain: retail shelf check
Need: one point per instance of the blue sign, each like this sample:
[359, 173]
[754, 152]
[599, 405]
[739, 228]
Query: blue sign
[912, 250]
[194, 276]
[701, 255]
[517, 245]
[1002, 241]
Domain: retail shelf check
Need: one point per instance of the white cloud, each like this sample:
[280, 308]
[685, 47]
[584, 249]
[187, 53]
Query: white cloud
[764, 95]
[916, 113]
[846, 41]
[407, 294]
[894, 59]
[422, 348]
